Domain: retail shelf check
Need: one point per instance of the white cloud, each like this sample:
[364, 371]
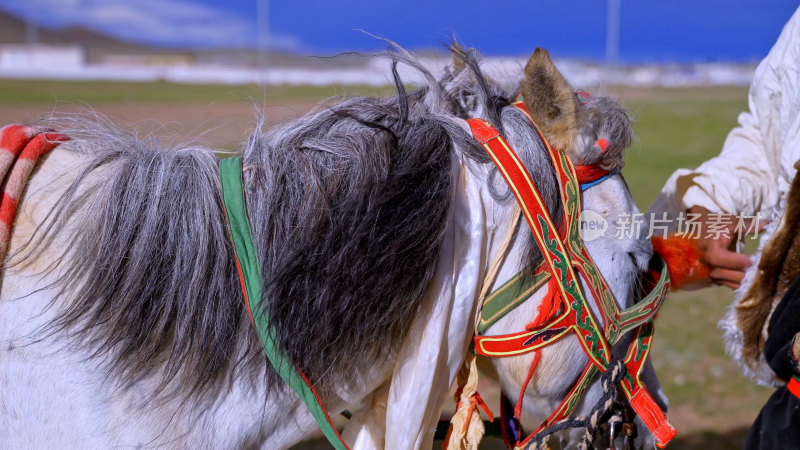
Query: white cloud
[166, 22]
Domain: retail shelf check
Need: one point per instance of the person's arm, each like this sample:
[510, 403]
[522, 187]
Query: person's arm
[744, 179]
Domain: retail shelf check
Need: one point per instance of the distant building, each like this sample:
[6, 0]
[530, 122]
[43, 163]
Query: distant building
[41, 56]
[144, 59]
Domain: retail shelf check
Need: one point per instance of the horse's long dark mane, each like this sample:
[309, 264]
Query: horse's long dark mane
[348, 205]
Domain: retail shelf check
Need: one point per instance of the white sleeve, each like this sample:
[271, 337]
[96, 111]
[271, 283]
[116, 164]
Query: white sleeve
[744, 178]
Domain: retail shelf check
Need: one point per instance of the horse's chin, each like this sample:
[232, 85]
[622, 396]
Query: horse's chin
[646, 279]
[642, 259]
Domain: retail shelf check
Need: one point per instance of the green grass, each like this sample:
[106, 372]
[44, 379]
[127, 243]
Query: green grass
[677, 128]
[27, 92]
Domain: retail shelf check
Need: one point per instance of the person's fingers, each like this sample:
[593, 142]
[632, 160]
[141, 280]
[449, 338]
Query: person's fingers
[746, 227]
[711, 245]
[722, 241]
[726, 259]
[729, 284]
[718, 274]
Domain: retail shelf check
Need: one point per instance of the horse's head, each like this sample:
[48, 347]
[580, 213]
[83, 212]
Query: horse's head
[593, 132]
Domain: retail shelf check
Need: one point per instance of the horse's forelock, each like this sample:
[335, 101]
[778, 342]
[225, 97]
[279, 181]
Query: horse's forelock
[603, 118]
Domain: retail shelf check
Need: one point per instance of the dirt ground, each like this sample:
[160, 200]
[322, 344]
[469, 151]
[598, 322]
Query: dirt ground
[219, 125]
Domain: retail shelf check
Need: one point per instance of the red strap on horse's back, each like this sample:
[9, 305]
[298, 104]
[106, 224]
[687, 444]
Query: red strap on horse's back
[20, 149]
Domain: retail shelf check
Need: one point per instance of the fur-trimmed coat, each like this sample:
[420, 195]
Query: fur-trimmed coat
[777, 424]
[766, 287]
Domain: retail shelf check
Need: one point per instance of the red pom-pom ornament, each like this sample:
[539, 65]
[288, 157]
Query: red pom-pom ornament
[684, 259]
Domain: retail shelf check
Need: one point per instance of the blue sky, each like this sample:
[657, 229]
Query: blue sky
[651, 30]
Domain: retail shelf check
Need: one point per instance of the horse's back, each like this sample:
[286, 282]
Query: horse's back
[46, 387]
[57, 393]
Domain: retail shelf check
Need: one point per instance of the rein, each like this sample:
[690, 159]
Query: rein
[565, 256]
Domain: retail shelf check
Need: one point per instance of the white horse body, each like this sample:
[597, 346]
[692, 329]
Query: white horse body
[58, 393]
[55, 390]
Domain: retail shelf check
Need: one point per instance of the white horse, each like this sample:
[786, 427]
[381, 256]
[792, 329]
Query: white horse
[121, 320]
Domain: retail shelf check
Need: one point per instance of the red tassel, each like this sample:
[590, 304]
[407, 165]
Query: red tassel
[537, 356]
[549, 306]
[684, 259]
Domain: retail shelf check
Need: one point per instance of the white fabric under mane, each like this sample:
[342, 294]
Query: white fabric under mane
[439, 338]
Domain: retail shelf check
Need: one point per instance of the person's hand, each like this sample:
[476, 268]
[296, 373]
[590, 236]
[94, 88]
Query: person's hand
[726, 266]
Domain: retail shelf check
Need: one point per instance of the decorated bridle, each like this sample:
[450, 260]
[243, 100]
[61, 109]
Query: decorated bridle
[565, 309]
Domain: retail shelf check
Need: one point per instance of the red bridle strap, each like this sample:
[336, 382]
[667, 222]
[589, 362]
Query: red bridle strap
[590, 174]
[564, 255]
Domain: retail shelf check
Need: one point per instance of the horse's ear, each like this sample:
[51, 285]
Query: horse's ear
[550, 101]
[459, 54]
[458, 62]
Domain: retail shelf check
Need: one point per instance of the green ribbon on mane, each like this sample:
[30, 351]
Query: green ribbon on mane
[230, 176]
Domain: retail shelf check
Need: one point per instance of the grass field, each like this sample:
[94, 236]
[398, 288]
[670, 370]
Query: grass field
[33, 92]
[712, 405]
